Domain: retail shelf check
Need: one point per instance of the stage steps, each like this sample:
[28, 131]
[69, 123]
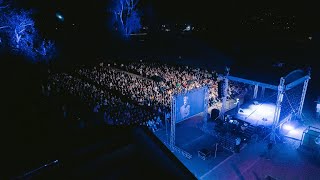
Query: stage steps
[250, 130]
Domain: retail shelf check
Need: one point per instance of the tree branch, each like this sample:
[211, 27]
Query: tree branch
[27, 25]
[2, 27]
[18, 37]
[2, 7]
[21, 31]
[135, 3]
[120, 14]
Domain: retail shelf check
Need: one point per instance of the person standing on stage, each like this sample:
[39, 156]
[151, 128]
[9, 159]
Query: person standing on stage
[237, 147]
[269, 148]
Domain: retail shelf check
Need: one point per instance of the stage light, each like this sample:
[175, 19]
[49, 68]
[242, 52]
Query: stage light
[287, 127]
[188, 28]
[59, 16]
[291, 128]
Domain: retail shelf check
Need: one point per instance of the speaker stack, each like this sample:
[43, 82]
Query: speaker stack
[310, 139]
[214, 114]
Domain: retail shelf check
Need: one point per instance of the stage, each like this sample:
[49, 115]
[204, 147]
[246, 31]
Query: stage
[191, 137]
[254, 113]
[262, 114]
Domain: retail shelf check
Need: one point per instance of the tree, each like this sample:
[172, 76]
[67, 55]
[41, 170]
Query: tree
[18, 33]
[126, 18]
[2, 6]
[46, 50]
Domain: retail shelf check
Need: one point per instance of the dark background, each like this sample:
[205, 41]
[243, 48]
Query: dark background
[85, 32]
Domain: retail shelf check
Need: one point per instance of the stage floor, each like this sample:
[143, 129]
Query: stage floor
[255, 114]
[190, 138]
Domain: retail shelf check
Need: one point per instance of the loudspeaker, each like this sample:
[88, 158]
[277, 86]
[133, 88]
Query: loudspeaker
[309, 139]
[214, 114]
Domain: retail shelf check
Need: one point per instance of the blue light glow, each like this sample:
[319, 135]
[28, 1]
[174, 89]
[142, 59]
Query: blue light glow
[46, 51]
[126, 17]
[21, 36]
[20, 32]
[287, 127]
[59, 16]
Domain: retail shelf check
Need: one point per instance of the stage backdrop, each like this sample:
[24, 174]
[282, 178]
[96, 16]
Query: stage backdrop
[189, 104]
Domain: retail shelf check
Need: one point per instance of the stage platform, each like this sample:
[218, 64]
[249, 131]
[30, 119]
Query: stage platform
[192, 137]
[255, 113]
[262, 114]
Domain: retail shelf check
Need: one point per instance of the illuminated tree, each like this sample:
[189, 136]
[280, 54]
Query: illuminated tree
[46, 51]
[20, 30]
[126, 18]
[18, 33]
[2, 7]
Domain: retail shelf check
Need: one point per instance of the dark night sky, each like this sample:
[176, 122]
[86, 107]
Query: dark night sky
[222, 18]
[203, 12]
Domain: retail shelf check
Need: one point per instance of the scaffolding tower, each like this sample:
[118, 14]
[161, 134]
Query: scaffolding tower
[281, 89]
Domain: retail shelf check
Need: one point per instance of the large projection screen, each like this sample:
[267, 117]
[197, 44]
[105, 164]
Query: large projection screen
[189, 104]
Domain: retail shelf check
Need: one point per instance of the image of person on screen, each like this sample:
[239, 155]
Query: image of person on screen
[185, 108]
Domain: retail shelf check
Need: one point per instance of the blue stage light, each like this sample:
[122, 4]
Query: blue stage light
[287, 127]
[59, 16]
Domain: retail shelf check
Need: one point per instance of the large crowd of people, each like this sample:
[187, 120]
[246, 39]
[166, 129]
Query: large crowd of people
[107, 104]
[136, 92]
